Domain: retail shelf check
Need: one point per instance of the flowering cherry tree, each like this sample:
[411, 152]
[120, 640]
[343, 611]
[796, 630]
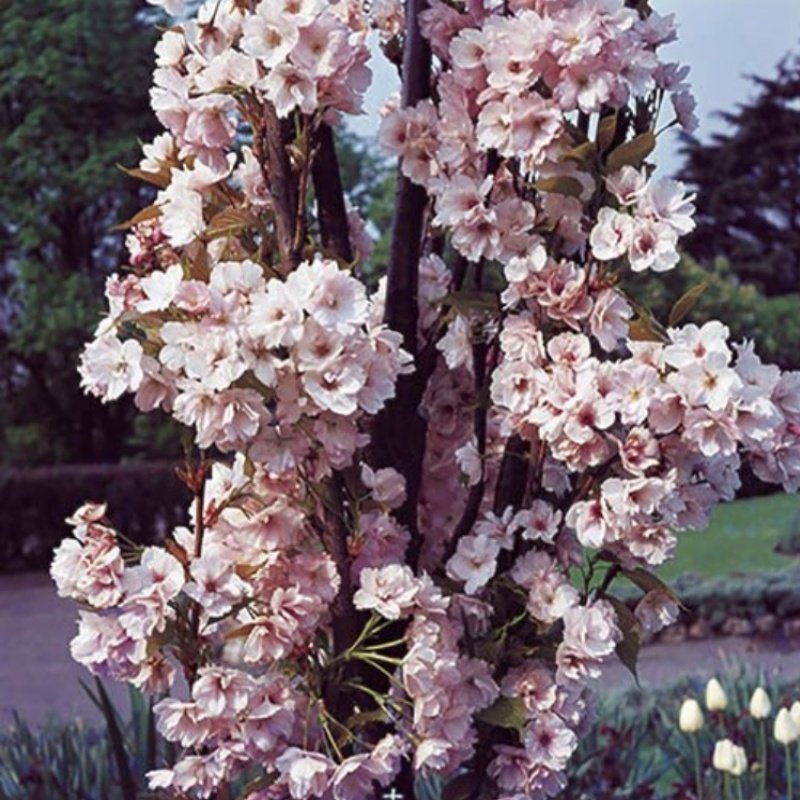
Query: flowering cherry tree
[411, 506]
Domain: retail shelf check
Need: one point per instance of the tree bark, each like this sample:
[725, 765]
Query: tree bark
[399, 436]
[331, 207]
[283, 189]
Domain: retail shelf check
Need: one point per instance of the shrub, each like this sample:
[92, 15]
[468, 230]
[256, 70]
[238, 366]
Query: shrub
[146, 499]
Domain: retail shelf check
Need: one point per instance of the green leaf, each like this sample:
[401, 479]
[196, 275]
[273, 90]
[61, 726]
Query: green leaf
[230, 222]
[630, 644]
[507, 712]
[146, 214]
[116, 738]
[605, 131]
[560, 184]
[159, 179]
[632, 153]
[648, 582]
[646, 329]
[686, 303]
[581, 154]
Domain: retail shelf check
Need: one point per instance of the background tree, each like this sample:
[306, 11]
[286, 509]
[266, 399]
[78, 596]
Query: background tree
[748, 185]
[772, 322]
[73, 102]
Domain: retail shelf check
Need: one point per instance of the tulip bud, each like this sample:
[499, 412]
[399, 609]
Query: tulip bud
[785, 729]
[760, 705]
[739, 766]
[690, 719]
[795, 712]
[723, 759]
[716, 699]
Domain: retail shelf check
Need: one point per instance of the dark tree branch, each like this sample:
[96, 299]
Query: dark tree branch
[513, 477]
[331, 208]
[399, 436]
[276, 136]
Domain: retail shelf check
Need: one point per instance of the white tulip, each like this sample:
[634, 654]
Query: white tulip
[690, 719]
[716, 699]
[795, 712]
[739, 761]
[724, 758]
[785, 729]
[760, 705]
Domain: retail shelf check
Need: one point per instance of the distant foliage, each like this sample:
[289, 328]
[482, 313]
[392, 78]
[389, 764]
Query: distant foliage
[748, 182]
[73, 103]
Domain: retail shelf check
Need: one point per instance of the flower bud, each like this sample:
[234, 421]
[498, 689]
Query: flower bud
[690, 719]
[716, 699]
[795, 712]
[785, 729]
[739, 766]
[723, 758]
[760, 705]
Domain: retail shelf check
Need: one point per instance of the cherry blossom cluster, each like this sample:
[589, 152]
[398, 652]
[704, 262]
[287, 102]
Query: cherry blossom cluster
[509, 91]
[337, 617]
[243, 359]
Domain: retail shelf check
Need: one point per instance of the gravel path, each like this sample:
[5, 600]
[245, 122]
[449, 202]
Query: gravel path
[38, 677]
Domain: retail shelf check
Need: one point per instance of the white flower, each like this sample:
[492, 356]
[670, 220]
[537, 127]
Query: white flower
[716, 699]
[739, 761]
[690, 719]
[160, 289]
[795, 712]
[110, 367]
[760, 705]
[723, 759]
[785, 729]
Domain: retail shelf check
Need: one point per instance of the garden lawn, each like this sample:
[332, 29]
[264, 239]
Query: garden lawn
[741, 538]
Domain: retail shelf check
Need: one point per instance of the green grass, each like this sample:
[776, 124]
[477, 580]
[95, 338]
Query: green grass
[741, 538]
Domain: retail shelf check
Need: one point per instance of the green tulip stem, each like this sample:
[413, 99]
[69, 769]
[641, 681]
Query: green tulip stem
[726, 785]
[789, 787]
[697, 771]
[763, 758]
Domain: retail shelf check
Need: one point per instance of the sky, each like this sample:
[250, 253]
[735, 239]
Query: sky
[721, 40]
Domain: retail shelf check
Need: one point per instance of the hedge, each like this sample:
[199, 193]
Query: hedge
[741, 597]
[145, 501]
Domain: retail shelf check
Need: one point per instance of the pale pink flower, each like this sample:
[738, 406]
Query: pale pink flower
[609, 319]
[269, 35]
[387, 485]
[613, 234]
[307, 773]
[389, 590]
[474, 562]
[288, 87]
[109, 367]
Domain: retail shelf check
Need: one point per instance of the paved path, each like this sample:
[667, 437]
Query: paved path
[38, 677]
